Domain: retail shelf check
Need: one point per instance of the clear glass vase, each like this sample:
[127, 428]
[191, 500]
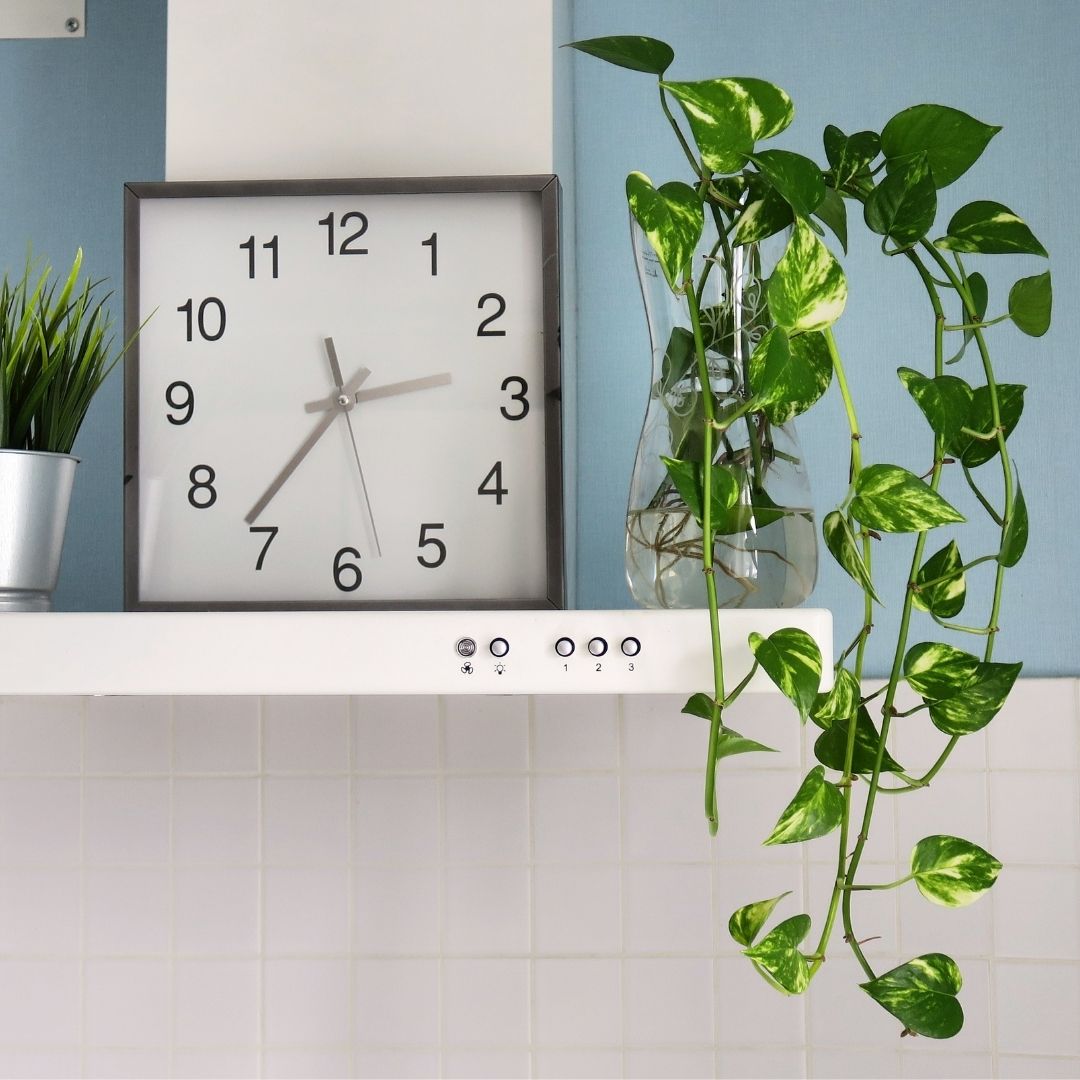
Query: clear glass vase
[765, 552]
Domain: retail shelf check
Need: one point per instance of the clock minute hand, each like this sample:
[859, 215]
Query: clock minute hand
[389, 390]
[317, 433]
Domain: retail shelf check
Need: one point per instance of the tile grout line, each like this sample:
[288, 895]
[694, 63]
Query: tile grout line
[440, 965]
[530, 760]
[991, 989]
[260, 829]
[172, 886]
[351, 885]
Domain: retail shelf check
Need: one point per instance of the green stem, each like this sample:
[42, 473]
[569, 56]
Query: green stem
[879, 888]
[699, 169]
[924, 780]
[959, 570]
[981, 323]
[741, 687]
[986, 504]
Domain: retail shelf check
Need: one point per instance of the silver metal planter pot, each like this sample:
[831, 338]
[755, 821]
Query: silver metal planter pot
[35, 489]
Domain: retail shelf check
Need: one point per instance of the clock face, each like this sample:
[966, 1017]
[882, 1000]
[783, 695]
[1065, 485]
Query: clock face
[344, 394]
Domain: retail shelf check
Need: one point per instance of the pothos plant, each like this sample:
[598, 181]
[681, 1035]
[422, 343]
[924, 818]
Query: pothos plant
[748, 192]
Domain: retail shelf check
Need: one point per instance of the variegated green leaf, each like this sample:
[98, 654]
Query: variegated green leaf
[1015, 539]
[894, 500]
[807, 290]
[951, 140]
[936, 670]
[921, 994]
[974, 706]
[763, 217]
[850, 155]
[687, 478]
[844, 548]
[833, 214]
[839, 703]
[636, 53]
[945, 401]
[903, 206]
[671, 217]
[777, 955]
[941, 587]
[1030, 301]
[721, 114]
[796, 178]
[746, 923]
[815, 811]
[989, 228]
[789, 374]
[952, 872]
[831, 746]
[975, 452]
[792, 659]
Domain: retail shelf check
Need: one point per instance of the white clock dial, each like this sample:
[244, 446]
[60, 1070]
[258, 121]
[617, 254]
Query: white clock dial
[342, 396]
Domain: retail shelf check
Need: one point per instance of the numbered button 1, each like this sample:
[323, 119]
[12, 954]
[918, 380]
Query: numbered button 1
[597, 646]
[564, 647]
[499, 646]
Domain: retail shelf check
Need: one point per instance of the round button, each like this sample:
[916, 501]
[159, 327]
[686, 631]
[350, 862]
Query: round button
[631, 646]
[597, 646]
[499, 646]
[564, 646]
[465, 646]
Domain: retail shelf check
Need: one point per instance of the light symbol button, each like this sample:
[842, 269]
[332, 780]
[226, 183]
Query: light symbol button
[499, 646]
[631, 646]
[564, 647]
[597, 646]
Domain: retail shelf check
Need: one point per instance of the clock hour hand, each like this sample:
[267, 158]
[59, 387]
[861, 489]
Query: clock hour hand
[389, 390]
[317, 433]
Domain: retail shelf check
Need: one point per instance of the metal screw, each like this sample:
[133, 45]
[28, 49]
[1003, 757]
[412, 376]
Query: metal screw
[71, 25]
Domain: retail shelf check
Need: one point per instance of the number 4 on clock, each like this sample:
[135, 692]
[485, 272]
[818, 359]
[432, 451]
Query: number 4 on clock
[494, 477]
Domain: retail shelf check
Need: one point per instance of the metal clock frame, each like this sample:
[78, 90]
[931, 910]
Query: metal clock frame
[545, 185]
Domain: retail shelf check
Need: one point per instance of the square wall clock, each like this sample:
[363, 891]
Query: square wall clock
[345, 394]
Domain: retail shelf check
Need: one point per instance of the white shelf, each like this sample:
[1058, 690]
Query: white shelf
[380, 652]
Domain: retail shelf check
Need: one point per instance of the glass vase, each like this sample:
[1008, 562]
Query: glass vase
[765, 549]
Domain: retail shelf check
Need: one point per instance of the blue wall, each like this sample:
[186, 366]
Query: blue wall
[78, 117]
[853, 64]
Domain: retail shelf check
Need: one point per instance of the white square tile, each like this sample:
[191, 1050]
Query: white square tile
[216, 820]
[41, 734]
[216, 1064]
[1012, 1066]
[396, 819]
[485, 1064]
[573, 733]
[39, 911]
[306, 734]
[575, 818]
[127, 911]
[738, 884]
[667, 909]
[841, 1014]
[1023, 804]
[306, 819]
[749, 1012]
[669, 1002]
[576, 909]
[120, 1063]
[314, 1061]
[658, 735]
[217, 1002]
[650, 1064]
[215, 909]
[856, 1064]
[390, 1065]
[766, 1064]
[126, 820]
[306, 909]
[1037, 913]
[396, 909]
[397, 1002]
[926, 1064]
[487, 819]
[771, 720]
[486, 733]
[975, 999]
[127, 1002]
[1037, 728]
[579, 1064]
[924, 926]
[953, 805]
[487, 909]
[128, 735]
[306, 1002]
[749, 804]
[664, 818]
[578, 1003]
[39, 1002]
[485, 1002]
[1045, 1023]
[215, 734]
[39, 821]
[396, 733]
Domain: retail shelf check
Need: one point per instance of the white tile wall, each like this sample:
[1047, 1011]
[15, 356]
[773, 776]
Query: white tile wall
[406, 887]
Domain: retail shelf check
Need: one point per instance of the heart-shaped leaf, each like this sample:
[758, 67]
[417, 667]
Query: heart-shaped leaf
[974, 706]
[687, 478]
[796, 178]
[921, 994]
[903, 206]
[699, 704]
[833, 214]
[792, 659]
[746, 923]
[936, 670]
[719, 114]
[807, 290]
[975, 452]
[844, 548]
[731, 743]
[831, 746]
[752, 511]
[941, 585]
[671, 217]
[894, 500]
[1030, 301]
[850, 155]
[951, 140]
[679, 359]
[952, 872]
[636, 53]
[1014, 541]
[945, 401]
[789, 375]
[777, 955]
[763, 217]
[839, 703]
[989, 228]
[815, 811]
